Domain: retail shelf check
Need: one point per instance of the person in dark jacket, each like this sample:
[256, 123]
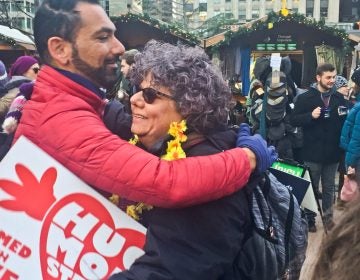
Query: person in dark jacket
[321, 112]
[23, 70]
[179, 83]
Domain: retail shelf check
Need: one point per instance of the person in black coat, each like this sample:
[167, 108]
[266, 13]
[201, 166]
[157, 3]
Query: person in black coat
[321, 112]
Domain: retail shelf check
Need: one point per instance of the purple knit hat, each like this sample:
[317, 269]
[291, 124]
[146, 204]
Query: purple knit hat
[21, 65]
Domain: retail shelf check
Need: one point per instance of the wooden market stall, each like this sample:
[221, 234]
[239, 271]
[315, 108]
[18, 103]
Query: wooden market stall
[135, 30]
[14, 43]
[306, 41]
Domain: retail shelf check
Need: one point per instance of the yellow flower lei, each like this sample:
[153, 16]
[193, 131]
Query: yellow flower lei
[173, 151]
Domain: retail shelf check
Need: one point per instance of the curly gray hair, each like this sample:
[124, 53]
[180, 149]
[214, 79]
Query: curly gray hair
[199, 90]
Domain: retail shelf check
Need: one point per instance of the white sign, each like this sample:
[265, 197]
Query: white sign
[54, 226]
[275, 61]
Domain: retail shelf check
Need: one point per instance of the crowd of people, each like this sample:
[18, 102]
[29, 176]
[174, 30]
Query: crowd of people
[196, 225]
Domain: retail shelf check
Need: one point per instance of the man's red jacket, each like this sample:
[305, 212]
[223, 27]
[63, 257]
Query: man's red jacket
[65, 120]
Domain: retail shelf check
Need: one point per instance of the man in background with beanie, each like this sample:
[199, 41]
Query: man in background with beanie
[342, 86]
[23, 70]
[321, 112]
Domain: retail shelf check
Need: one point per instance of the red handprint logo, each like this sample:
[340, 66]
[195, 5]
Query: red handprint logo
[30, 187]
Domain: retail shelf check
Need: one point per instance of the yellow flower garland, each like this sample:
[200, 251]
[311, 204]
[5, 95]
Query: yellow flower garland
[174, 151]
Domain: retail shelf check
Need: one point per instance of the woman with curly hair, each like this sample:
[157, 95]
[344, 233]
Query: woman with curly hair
[180, 110]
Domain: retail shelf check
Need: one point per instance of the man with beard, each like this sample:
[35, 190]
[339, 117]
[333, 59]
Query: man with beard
[76, 42]
[320, 112]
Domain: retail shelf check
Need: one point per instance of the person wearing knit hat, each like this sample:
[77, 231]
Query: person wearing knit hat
[341, 85]
[26, 66]
[23, 70]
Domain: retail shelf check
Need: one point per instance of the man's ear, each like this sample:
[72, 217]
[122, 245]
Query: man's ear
[60, 50]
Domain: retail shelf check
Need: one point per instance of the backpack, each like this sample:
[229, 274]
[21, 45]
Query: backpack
[276, 246]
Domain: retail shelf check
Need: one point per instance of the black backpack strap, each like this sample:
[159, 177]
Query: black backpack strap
[288, 227]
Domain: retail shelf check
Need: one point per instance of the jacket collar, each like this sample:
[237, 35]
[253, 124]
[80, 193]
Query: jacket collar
[82, 81]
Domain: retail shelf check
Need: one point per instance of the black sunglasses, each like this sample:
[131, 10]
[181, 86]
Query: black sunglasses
[150, 94]
[36, 70]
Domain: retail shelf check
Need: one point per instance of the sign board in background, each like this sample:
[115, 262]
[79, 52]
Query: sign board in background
[54, 226]
[299, 180]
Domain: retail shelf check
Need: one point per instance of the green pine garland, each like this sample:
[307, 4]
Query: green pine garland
[275, 18]
[7, 40]
[165, 27]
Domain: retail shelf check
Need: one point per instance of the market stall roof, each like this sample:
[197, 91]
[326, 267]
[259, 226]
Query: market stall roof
[15, 37]
[308, 29]
[135, 30]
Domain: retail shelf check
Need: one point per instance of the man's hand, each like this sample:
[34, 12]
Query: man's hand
[316, 113]
[265, 156]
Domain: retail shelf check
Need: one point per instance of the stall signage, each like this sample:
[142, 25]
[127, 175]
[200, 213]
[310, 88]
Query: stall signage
[278, 42]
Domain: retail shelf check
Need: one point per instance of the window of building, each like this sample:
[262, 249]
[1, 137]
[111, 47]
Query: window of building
[29, 23]
[18, 6]
[255, 14]
[242, 14]
[323, 8]
[323, 12]
[188, 8]
[309, 12]
[20, 22]
[355, 12]
[202, 7]
[29, 7]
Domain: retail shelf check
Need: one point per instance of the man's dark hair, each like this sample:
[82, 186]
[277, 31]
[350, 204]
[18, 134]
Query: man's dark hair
[129, 56]
[56, 18]
[326, 67]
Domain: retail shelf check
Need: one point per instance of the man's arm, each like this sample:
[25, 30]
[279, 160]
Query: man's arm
[117, 120]
[84, 145]
[302, 116]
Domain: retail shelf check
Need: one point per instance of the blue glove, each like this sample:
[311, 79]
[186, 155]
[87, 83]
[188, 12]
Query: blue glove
[265, 156]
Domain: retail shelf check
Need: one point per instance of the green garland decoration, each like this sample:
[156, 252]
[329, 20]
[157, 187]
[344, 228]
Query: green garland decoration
[163, 26]
[277, 17]
[7, 40]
